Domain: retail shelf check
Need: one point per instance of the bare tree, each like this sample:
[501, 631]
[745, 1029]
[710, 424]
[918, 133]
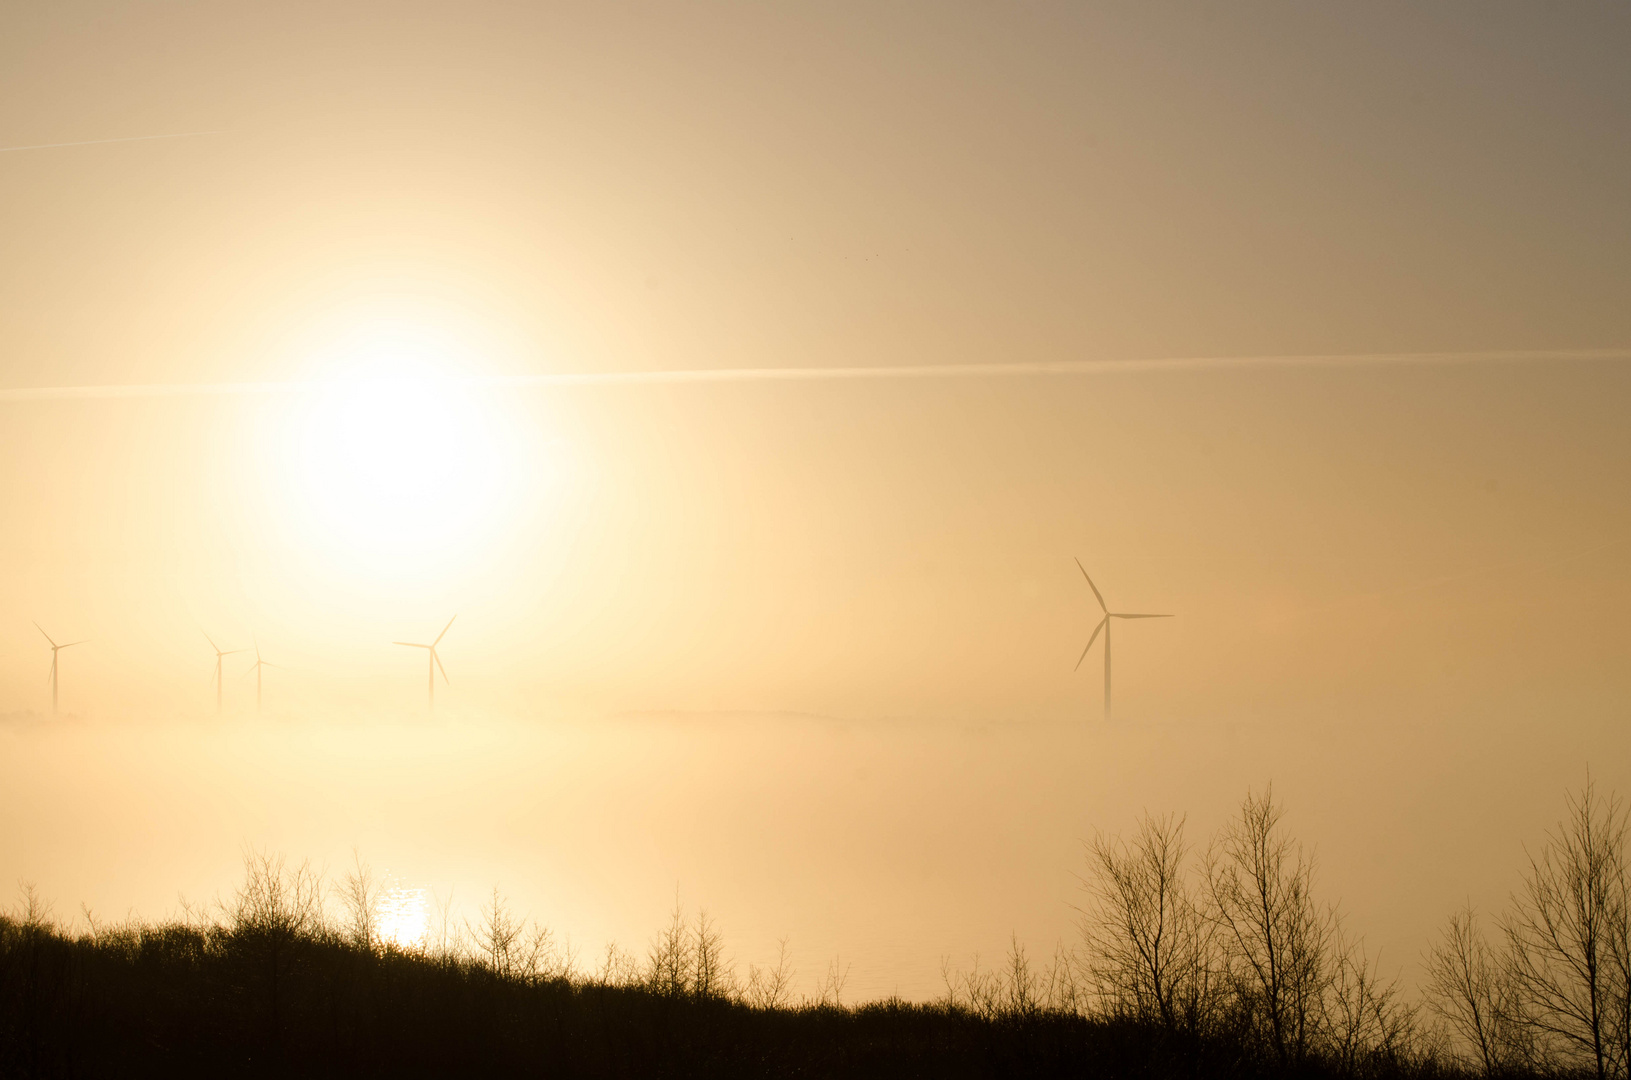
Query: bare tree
[1566, 934]
[33, 913]
[276, 910]
[1272, 936]
[1148, 946]
[1619, 963]
[498, 937]
[711, 976]
[1027, 989]
[1470, 988]
[669, 965]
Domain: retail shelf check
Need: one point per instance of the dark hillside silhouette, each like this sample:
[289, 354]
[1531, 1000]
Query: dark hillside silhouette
[1223, 965]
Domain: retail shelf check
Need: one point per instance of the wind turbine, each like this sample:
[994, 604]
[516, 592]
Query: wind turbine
[256, 668]
[1104, 624]
[435, 661]
[55, 648]
[219, 652]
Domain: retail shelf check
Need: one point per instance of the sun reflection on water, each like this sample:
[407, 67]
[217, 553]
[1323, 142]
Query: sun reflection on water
[402, 917]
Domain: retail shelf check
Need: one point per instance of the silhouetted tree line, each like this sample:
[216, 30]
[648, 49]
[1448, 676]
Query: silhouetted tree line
[1220, 962]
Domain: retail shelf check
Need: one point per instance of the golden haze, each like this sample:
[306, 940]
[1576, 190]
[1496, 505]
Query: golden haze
[715, 633]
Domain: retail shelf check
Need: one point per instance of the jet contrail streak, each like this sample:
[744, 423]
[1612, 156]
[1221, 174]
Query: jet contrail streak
[834, 374]
[103, 142]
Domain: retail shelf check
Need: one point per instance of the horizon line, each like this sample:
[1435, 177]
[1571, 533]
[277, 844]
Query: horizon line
[825, 374]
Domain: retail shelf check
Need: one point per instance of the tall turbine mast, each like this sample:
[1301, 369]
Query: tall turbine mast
[219, 652]
[256, 668]
[55, 648]
[1104, 625]
[434, 660]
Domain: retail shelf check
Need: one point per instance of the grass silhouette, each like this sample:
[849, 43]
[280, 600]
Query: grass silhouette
[1227, 969]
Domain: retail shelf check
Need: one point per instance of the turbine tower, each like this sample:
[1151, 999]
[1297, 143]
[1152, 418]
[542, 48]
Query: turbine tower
[435, 661]
[219, 652]
[256, 668]
[1104, 625]
[55, 648]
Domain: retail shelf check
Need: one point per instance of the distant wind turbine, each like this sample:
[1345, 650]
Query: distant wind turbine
[55, 648]
[256, 668]
[220, 652]
[1104, 625]
[435, 661]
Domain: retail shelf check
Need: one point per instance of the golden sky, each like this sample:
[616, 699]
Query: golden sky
[1403, 583]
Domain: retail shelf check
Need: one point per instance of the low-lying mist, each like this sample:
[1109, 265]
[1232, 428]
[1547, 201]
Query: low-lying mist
[889, 846]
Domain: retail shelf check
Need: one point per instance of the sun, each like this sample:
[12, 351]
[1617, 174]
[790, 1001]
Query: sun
[400, 458]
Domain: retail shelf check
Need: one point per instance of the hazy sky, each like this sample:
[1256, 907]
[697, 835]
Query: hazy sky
[1401, 591]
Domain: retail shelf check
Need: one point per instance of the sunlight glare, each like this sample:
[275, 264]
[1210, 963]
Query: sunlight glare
[400, 461]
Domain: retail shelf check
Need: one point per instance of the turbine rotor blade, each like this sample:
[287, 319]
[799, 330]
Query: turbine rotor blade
[213, 645]
[411, 644]
[81, 641]
[1096, 594]
[1122, 615]
[41, 629]
[445, 629]
[1090, 642]
[438, 660]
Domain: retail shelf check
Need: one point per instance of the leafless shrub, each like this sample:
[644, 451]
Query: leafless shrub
[981, 992]
[1363, 1017]
[277, 902]
[771, 988]
[537, 957]
[830, 991]
[197, 916]
[1020, 989]
[711, 976]
[1064, 992]
[1024, 986]
[549, 960]
[1469, 987]
[618, 967]
[443, 940]
[359, 894]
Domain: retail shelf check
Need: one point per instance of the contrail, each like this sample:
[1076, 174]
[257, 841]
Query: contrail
[103, 142]
[836, 374]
